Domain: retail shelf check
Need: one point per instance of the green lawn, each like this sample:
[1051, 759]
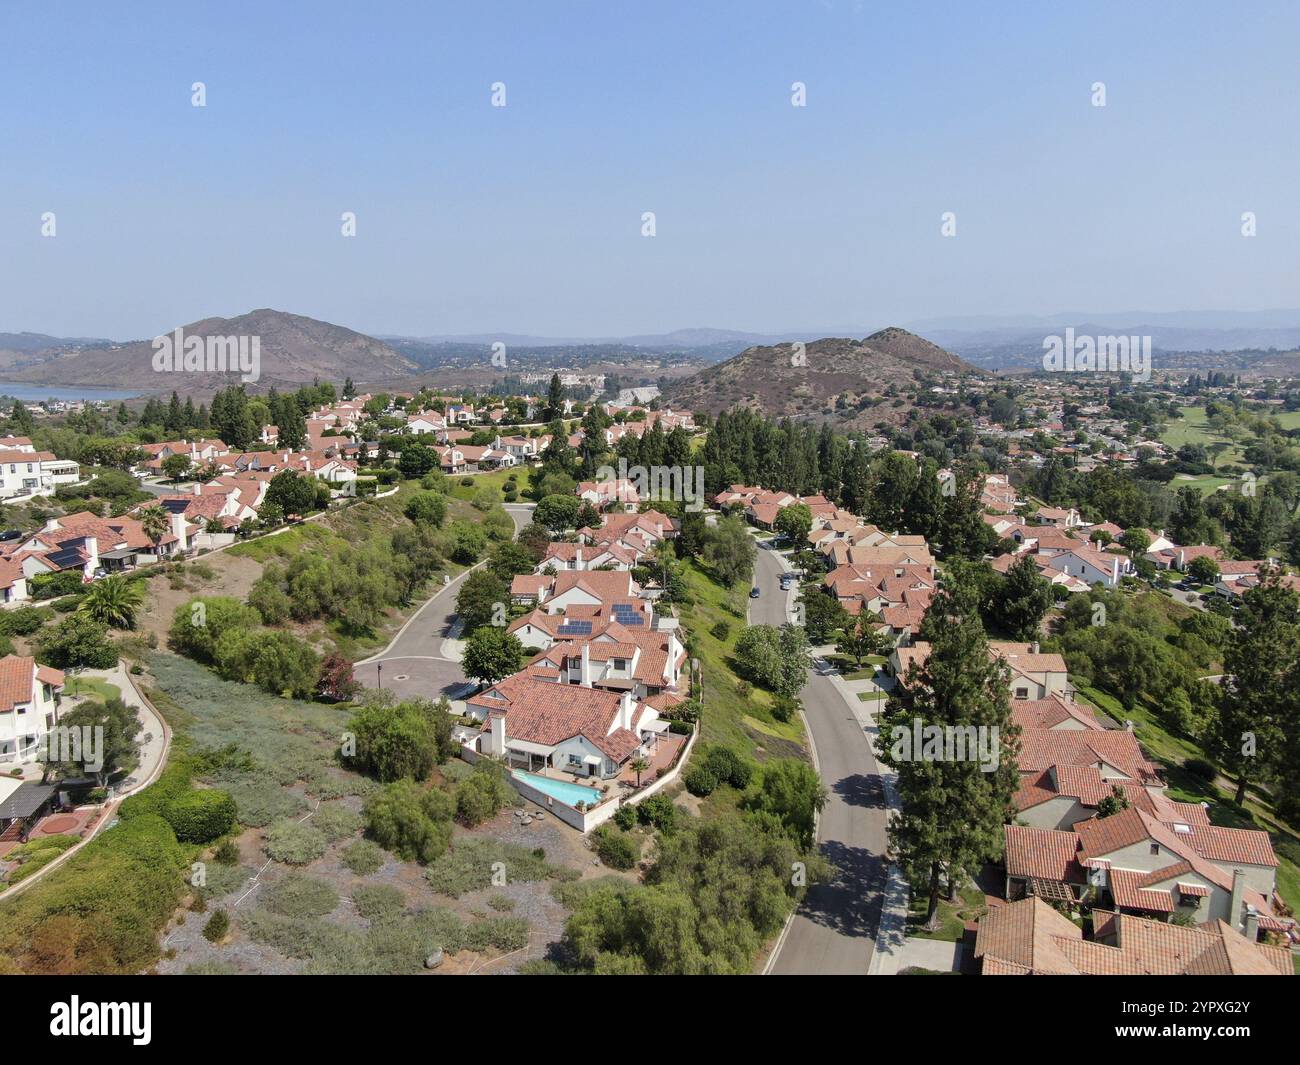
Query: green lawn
[495, 479]
[1193, 428]
[872, 697]
[91, 686]
[968, 906]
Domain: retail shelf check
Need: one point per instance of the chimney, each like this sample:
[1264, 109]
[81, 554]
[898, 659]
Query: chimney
[1236, 917]
[498, 734]
[1251, 930]
[1033, 648]
[584, 675]
[197, 489]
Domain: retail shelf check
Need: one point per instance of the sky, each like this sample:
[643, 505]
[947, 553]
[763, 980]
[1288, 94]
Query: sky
[527, 218]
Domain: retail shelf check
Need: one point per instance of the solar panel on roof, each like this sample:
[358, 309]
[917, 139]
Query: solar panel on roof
[575, 628]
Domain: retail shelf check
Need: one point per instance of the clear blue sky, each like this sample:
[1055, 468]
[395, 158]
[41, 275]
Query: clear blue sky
[527, 219]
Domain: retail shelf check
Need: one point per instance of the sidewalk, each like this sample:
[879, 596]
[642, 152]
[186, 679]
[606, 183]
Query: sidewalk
[155, 738]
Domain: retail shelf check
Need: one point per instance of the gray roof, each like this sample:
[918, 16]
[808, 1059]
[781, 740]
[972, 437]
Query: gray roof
[26, 800]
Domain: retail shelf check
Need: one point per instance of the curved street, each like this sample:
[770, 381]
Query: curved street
[417, 663]
[834, 930]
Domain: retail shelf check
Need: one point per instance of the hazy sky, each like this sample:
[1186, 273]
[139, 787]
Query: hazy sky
[527, 218]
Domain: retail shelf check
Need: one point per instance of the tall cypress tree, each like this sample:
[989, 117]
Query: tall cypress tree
[952, 809]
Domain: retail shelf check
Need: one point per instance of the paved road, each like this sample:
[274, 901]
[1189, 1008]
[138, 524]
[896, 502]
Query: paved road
[416, 663]
[834, 930]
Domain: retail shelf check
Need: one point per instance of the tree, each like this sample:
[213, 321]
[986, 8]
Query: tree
[862, 639]
[554, 399]
[491, 654]
[1203, 570]
[639, 766]
[114, 751]
[729, 551]
[402, 741]
[791, 791]
[1111, 804]
[155, 522]
[337, 682]
[468, 542]
[416, 460]
[823, 615]
[1248, 736]
[794, 523]
[77, 641]
[558, 512]
[1136, 542]
[292, 492]
[953, 809]
[177, 466]
[1022, 599]
[114, 601]
[481, 600]
[426, 508]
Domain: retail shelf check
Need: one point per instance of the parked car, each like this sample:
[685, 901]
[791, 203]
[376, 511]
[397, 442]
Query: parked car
[753, 593]
[10, 534]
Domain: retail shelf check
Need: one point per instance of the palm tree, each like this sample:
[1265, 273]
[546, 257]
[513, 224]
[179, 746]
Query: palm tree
[113, 601]
[155, 523]
[639, 766]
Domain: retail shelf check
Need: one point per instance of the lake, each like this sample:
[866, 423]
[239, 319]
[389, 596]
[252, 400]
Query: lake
[37, 393]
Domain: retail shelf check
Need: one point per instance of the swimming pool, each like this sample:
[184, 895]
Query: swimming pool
[569, 794]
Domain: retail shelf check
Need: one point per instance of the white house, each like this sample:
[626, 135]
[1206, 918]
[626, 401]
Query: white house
[29, 701]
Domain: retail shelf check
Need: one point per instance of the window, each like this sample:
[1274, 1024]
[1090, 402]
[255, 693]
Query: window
[575, 759]
[1022, 693]
[1155, 848]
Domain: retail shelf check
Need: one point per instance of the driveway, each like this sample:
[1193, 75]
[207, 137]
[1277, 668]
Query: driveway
[834, 930]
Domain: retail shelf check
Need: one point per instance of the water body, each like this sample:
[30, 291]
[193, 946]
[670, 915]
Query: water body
[37, 393]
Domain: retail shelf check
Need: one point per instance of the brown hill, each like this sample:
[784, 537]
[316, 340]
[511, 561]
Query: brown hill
[294, 350]
[831, 378]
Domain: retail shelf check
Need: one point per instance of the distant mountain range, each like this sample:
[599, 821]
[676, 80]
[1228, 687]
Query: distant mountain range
[1017, 342]
[296, 349]
[834, 377]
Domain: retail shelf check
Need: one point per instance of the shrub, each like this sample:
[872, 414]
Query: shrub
[720, 630]
[297, 895]
[700, 780]
[503, 933]
[217, 927]
[101, 911]
[625, 816]
[221, 880]
[616, 848]
[502, 903]
[468, 866]
[1201, 769]
[658, 810]
[337, 821]
[728, 767]
[377, 901]
[201, 816]
[363, 857]
[482, 794]
[413, 823]
[293, 842]
[226, 853]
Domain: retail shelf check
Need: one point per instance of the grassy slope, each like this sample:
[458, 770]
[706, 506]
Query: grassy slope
[742, 722]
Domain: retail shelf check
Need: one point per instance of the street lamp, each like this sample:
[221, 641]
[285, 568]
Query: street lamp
[379, 670]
